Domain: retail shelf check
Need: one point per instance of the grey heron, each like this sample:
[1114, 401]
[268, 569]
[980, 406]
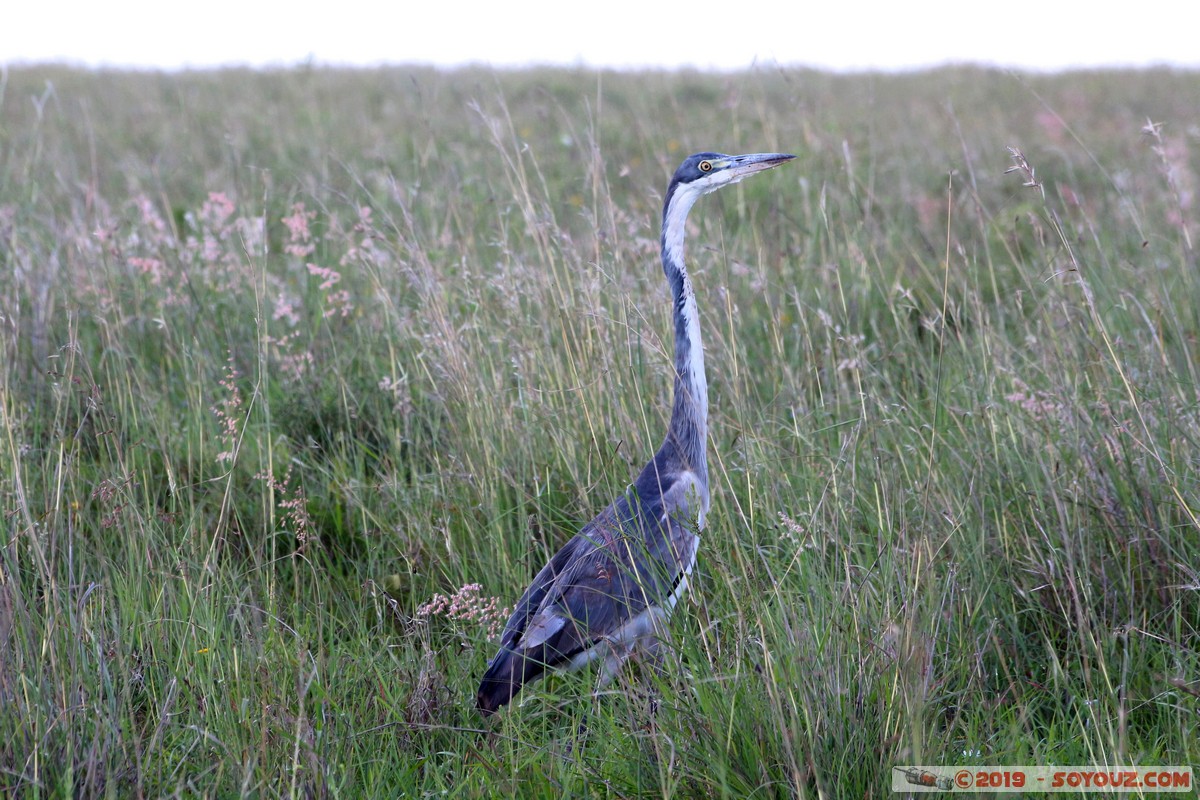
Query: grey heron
[607, 592]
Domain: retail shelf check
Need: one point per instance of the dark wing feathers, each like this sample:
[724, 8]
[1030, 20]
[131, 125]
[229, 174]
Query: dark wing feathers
[625, 559]
[576, 587]
[536, 593]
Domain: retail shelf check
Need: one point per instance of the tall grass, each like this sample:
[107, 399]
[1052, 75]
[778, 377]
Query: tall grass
[288, 355]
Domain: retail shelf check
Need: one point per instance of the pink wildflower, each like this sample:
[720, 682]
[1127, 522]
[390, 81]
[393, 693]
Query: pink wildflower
[336, 303]
[328, 276]
[287, 309]
[150, 216]
[299, 238]
[467, 605]
[217, 210]
[148, 266]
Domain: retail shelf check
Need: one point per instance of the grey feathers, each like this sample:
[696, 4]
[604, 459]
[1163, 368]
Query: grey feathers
[607, 591]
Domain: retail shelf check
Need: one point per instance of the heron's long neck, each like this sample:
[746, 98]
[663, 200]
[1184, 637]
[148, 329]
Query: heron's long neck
[688, 430]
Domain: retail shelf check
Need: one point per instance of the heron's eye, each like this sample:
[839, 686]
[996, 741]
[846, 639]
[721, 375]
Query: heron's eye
[706, 166]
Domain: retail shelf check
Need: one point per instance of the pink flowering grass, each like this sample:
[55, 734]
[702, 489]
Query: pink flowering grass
[337, 303]
[299, 240]
[468, 604]
[229, 413]
[293, 502]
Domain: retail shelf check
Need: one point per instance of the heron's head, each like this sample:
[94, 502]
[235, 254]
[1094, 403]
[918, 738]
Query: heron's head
[697, 176]
[706, 172]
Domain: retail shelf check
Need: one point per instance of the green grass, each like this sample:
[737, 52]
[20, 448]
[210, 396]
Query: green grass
[955, 436]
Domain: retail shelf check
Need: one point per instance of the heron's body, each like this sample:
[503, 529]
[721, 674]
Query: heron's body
[607, 591]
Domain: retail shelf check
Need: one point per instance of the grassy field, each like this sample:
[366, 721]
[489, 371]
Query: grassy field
[287, 356]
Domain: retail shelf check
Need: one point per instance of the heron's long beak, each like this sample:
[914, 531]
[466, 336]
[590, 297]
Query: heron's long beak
[741, 166]
[735, 168]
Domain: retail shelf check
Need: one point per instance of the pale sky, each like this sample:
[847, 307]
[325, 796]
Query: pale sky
[833, 34]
